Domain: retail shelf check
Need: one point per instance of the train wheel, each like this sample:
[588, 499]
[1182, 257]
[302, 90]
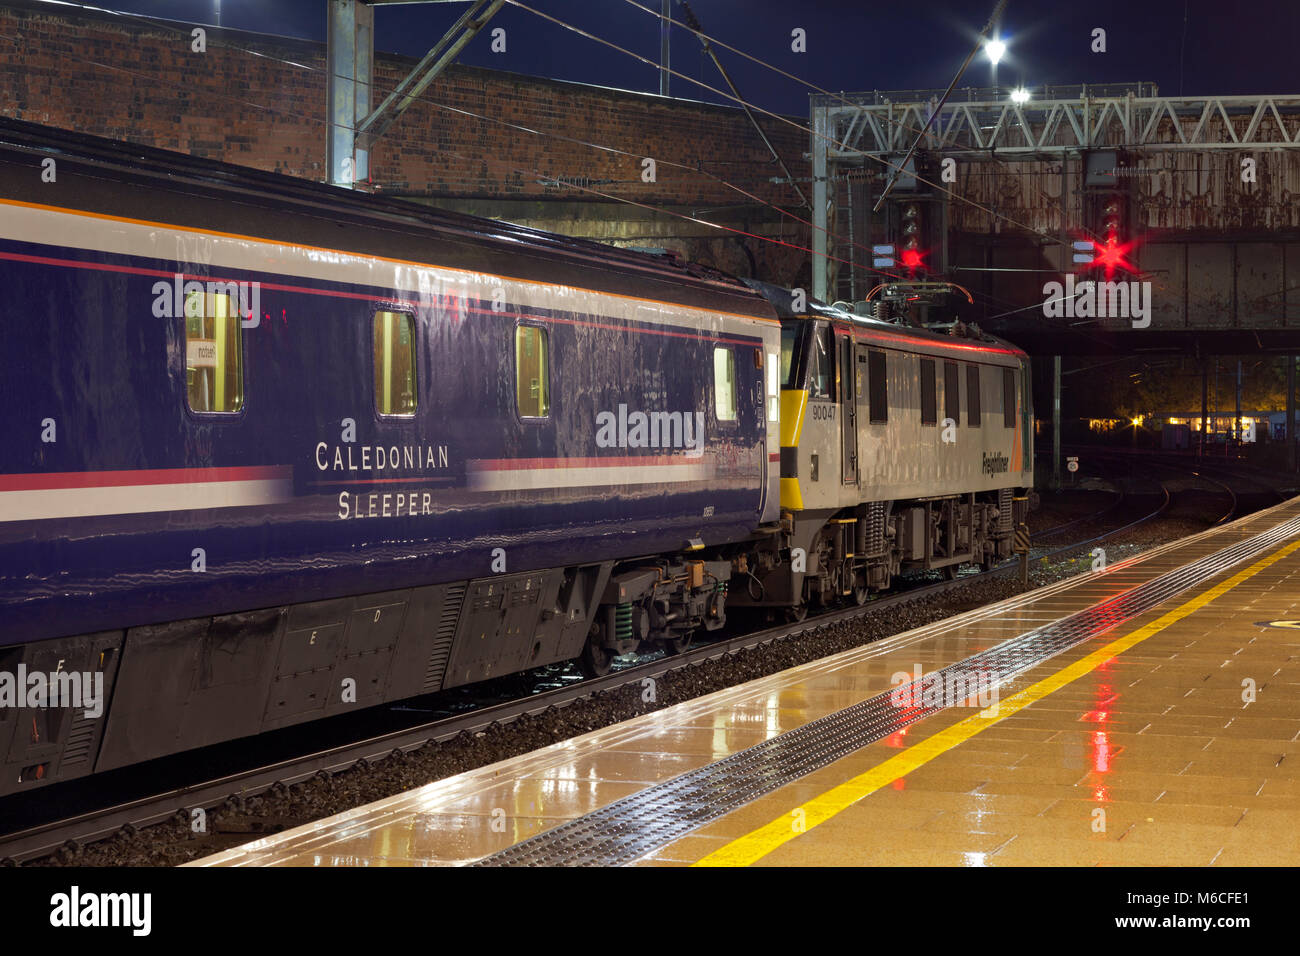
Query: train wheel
[676, 645]
[596, 661]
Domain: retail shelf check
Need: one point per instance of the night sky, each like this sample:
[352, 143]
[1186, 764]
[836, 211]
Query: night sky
[1224, 48]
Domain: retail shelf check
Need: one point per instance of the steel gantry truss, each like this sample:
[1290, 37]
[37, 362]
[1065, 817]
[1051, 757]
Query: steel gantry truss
[857, 129]
[878, 124]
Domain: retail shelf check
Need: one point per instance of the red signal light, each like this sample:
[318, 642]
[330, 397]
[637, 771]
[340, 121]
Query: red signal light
[911, 257]
[1111, 250]
[1111, 255]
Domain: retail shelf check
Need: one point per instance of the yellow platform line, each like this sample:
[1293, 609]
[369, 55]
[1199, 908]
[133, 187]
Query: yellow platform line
[757, 844]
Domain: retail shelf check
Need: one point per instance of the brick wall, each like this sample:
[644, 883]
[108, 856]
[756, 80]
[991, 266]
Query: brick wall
[135, 81]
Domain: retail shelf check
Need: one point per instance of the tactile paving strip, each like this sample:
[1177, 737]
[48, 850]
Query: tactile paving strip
[628, 829]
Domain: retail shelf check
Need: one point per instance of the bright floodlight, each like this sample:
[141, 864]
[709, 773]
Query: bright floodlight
[1020, 95]
[995, 49]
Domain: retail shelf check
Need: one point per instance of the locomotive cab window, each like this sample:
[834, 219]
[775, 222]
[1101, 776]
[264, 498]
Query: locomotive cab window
[821, 367]
[1008, 398]
[532, 372]
[789, 342]
[394, 355]
[214, 359]
[929, 400]
[724, 384]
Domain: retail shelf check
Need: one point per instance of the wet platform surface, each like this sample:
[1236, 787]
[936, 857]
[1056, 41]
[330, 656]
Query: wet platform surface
[1168, 740]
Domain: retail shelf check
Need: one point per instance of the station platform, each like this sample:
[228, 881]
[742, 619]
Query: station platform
[1142, 714]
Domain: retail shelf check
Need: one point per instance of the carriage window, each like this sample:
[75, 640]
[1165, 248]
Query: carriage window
[878, 388]
[951, 392]
[1008, 398]
[532, 372]
[929, 400]
[394, 334]
[974, 418]
[724, 384]
[214, 360]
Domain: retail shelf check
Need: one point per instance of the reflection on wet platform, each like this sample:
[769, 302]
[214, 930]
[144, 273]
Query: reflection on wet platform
[1180, 749]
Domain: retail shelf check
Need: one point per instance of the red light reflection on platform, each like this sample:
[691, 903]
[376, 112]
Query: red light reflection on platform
[1099, 745]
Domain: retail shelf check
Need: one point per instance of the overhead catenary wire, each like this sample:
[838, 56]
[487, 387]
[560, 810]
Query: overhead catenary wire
[156, 23]
[994, 19]
[783, 119]
[753, 59]
[889, 186]
[559, 181]
[836, 96]
[897, 167]
[180, 30]
[697, 169]
[748, 113]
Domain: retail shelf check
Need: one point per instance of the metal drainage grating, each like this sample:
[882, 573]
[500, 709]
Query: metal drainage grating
[634, 826]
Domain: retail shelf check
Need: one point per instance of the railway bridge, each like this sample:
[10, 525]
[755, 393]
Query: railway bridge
[1196, 199]
[1206, 190]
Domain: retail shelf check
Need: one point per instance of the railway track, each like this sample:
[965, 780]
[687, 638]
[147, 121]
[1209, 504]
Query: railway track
[50, 837]
[1042, 552]
[1181, 472]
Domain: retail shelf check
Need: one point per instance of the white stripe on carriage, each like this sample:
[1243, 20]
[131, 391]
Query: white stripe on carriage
[38, 504]
[529, 479]
[178, 245]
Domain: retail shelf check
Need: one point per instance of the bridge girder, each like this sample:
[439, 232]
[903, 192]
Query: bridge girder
[1059, 126]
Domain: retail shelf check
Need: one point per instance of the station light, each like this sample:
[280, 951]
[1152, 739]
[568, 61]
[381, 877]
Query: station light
[995, 48]
[1020, 95]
